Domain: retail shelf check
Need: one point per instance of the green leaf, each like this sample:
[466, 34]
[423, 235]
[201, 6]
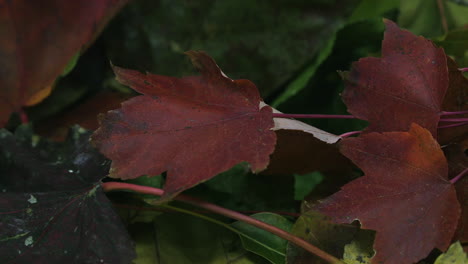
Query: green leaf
[230, 181]
[457, 17]
[420, 17]
[267, 42]
[300, 82]
[423, 17]
[322, 94]
[265, 244]
[321, 232]
[455, 43]
[369, 9]
[454, 255]
[146, 180]
[304, 184]
[360, 250]
[71, 64]
[183, 239]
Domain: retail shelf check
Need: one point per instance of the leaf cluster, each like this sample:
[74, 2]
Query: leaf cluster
[394, 191]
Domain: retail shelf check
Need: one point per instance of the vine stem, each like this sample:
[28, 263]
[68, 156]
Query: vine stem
[454, 125]
[351, 133]
[114, 186]
[281, 115]
[459, 176]
[152, 208]
[453, 113]
[321, 116]
[453, 120]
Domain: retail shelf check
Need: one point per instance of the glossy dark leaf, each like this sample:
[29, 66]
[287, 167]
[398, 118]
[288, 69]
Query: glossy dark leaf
[52, 207]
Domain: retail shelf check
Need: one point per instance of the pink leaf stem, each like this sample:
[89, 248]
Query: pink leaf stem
[454, 125]
[112, 186]
[312, 116]
[347, 134]
[459, 176]
[453, 113]
[454, 120]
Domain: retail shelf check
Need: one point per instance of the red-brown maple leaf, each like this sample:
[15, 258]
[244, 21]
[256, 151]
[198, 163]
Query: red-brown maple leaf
[38, 40]
[192, 127]
[407, 85]
[404, 195]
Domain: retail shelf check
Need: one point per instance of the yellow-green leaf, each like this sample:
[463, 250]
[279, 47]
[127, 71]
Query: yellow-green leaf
[454, 255]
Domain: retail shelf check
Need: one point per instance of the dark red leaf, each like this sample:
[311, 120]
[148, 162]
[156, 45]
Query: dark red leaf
[407, 85]
[52, 208]
[404, 195]
[192, 127]
[38, 40]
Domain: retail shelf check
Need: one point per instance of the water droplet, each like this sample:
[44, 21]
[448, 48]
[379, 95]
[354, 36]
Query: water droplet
[29, 241]
[32, 199]
[70, 171]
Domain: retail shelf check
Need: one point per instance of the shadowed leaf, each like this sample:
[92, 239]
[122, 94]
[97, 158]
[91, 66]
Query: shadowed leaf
[38, 41]
[52, 207]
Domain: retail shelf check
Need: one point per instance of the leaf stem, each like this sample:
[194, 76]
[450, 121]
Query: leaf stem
[454, 125]
[463, 69]
[347, 134]
[459, 176]
[111, 186]
[453, 113]
[453, 120]
[152, 208]
[312, 116]
[227, 226]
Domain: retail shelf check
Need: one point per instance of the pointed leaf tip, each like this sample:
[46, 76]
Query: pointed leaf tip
[205, 64]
